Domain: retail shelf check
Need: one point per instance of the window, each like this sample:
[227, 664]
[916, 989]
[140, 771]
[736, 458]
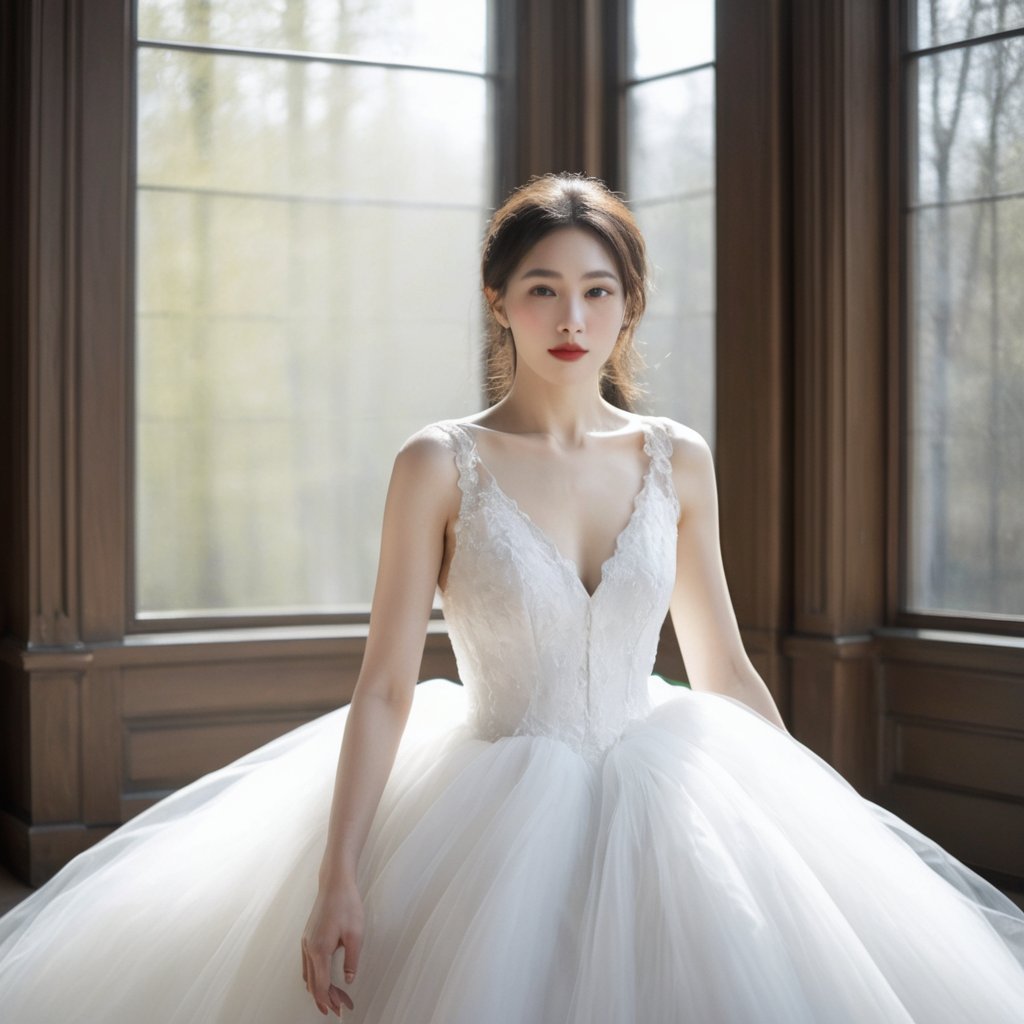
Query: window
[964, 167]
[313, 177]
[670, 181]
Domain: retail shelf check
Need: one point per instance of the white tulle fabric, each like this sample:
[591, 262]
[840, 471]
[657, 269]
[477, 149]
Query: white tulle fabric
[565, 838]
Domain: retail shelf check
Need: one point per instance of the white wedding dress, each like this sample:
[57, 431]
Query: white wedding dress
[564, 838]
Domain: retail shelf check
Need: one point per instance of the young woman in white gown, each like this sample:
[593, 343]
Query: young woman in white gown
[564, 838]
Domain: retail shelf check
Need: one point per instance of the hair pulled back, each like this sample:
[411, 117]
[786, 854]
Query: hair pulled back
[545, 204]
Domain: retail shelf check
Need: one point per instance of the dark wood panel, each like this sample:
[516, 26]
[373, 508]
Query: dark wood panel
[954, 695]
[818, 306]
[15, 763]
[952, 727]
[168, 755]
[753, 335]
[54, 748]
[101, 747]
[15, 116]
[859, 518]
[975, 652]
[37, 852]
[550, 135]
[14, 842]
[985, 833]
[104, 266]
[835, 704]
[201, 688]
[53, 544]
[959, 758]
[813, 705]
[839, 143]
[752, 386]
[438, 659]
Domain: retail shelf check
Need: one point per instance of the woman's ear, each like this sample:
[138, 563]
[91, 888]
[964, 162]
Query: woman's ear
[497, 306]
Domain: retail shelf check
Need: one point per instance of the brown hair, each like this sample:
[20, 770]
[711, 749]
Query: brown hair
[545, 204]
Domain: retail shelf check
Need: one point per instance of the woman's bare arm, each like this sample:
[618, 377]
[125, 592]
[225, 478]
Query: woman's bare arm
[422, 498]
[702, 611]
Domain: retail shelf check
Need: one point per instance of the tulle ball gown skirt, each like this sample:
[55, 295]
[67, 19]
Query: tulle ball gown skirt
[706, 868]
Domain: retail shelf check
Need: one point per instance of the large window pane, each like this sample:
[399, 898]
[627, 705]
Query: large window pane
[306, 297]
[971, 123]
[449, 33]
[666, 37]
[938, 22]
[966, 400]
[670, 170]
[309, 129]
[671, 123]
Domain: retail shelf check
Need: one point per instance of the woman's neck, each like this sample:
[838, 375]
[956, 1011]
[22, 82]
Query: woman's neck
[566, 414]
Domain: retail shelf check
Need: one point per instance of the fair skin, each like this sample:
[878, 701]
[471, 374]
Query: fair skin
[571, 462]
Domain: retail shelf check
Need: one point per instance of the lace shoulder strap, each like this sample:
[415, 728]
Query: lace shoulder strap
[659, 447]
[460, 442]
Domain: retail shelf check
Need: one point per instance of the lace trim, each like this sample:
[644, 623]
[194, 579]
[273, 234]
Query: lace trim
[658, 446]
[463, 448]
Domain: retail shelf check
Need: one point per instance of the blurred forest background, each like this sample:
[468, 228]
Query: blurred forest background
[965, 195]
[307, 244]
[313, 181]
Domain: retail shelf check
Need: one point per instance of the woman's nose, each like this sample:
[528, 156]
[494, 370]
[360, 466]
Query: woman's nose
[572, 316]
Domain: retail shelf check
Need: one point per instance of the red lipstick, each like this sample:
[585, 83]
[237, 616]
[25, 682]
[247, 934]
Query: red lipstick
[568, 353]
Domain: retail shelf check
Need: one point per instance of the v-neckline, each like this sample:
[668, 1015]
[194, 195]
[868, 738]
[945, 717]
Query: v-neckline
[545, 540]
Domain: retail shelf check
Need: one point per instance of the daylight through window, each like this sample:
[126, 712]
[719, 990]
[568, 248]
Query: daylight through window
[313, 177]
[670, 181]
[965, 243]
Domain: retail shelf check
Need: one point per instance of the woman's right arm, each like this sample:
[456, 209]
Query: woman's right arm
[422, 499]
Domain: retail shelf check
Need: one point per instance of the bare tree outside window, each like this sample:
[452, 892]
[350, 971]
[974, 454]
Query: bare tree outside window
[965, 230]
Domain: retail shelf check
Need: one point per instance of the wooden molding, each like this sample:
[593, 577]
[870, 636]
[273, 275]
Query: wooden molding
[752, 324]
[91, 737]
[839, 189]
[561, 76]
[106, 274]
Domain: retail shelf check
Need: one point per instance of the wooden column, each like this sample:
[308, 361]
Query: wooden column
[753, 389]
[839, 194]
[565, 78]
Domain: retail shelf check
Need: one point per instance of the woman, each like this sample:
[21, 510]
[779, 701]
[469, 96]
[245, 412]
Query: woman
[565, 838]
[679, 873]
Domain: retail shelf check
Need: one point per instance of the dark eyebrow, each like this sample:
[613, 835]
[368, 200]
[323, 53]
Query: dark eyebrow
[541, 272]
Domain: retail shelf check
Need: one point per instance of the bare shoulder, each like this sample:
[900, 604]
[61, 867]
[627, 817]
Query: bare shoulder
[425, 465]
[427, 453]
[693, 464]
[688, 445]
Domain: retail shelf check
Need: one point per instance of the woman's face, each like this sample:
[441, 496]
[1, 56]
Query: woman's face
[564, 304]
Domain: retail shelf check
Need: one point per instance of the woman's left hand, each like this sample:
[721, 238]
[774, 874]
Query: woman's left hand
[336, 922]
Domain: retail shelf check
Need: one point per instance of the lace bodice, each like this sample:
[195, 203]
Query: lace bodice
[537, 653]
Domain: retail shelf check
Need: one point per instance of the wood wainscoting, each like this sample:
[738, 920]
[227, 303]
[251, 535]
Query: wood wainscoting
[931, 727]
[952, 744]
[91, 737]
